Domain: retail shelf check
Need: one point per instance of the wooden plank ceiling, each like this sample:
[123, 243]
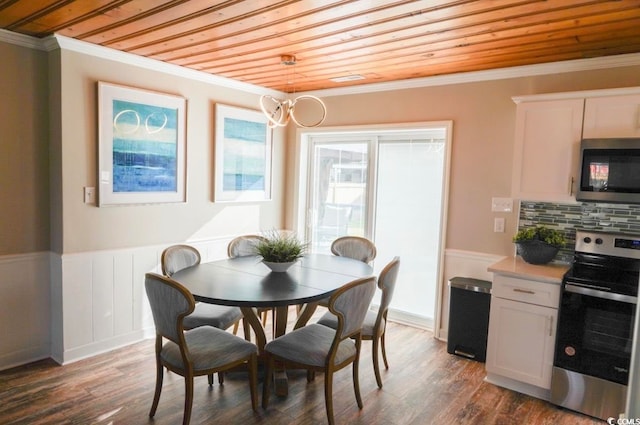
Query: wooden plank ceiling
[380, 40]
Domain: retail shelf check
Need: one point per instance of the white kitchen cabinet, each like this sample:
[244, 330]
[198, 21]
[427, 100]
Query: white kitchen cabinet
[546, 149]
[521, 341]
[612, 116]
[522, 325]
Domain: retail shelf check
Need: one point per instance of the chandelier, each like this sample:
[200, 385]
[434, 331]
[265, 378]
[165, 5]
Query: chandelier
[280, 111]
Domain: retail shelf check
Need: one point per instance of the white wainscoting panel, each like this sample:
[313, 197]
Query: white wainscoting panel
[123, 293]
[77, 292]
[25, 313]
[103, 299]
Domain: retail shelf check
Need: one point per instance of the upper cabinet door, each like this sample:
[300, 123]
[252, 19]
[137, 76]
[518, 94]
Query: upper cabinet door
[612, 116]
[546, 150]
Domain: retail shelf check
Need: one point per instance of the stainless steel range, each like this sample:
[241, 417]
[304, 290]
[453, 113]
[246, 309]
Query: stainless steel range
[595, 325]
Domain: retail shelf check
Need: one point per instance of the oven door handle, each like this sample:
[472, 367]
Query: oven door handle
[600, 294]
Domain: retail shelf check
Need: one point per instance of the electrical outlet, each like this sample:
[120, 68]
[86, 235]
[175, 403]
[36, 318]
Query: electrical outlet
[89, 195]
[501, 204]
[498, 225]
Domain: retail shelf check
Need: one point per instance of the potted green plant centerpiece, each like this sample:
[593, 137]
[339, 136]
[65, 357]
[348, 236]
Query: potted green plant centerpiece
[539, 244]
[280, 250]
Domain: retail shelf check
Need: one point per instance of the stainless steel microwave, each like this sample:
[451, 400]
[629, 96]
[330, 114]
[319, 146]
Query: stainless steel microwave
[609, 170]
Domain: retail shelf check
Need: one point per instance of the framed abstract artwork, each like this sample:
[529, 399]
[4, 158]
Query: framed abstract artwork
[142, 136]
[242, 155]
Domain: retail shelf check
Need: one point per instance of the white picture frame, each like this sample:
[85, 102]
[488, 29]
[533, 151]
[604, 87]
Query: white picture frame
[243, 149]
[142, 146]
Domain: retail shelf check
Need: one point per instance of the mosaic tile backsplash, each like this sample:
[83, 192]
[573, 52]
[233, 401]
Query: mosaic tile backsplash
[613, 218]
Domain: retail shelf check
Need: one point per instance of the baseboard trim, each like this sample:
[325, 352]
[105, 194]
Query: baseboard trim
[18, 358]
[104, 346]
[410, 319]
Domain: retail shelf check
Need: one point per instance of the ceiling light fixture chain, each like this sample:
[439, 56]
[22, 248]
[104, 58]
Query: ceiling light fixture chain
[280, 111]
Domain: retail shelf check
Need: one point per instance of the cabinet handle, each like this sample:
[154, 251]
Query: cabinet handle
[524, 291]
[570, 185]
[550, 325]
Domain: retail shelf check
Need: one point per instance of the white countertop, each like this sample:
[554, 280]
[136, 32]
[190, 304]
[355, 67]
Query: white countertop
[517, 267]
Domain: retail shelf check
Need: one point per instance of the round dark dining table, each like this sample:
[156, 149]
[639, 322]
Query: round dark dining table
[247, 283]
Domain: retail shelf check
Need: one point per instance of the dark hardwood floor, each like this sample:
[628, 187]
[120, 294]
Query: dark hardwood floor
[424, 385]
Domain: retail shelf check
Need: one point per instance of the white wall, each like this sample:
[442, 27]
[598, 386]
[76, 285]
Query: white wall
[90, 228]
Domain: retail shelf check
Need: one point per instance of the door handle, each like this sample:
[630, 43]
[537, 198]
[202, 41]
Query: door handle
[600, 294]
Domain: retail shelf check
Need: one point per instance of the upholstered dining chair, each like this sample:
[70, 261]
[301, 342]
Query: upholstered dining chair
[355, 247]
[178, 257]
[244, 246]
[319, 348]
[203, 350]
[375, 324]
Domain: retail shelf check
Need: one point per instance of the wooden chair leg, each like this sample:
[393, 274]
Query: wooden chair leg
[156, 395]
[328, 395]
[236, 326]
[210, 379]
[220, 378]
[356, 381]
[384, 351]
[376, 361]
[188, 399]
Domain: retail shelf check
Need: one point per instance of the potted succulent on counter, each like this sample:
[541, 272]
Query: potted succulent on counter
[280, 250]
[539, 244]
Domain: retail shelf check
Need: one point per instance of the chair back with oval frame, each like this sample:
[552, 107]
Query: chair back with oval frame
[355, 247]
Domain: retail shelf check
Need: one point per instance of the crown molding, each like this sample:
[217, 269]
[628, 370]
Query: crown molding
[71, 44]
[58, 41]
[577, 94]
[21, 40]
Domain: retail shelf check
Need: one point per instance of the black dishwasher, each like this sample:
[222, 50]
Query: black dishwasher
[469, 303]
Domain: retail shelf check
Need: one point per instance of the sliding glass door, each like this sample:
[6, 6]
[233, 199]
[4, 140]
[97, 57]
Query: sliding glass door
[387, 186]
[339, 191]
[408, 218]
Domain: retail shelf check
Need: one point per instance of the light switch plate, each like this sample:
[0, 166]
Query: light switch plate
[501, 204]
[89, 195]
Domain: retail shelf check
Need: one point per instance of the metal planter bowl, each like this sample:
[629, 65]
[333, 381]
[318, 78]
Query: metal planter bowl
[536, 252]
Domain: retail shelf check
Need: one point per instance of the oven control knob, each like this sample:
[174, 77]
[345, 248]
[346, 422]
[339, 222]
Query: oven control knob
[587, 239]
[598, 241]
